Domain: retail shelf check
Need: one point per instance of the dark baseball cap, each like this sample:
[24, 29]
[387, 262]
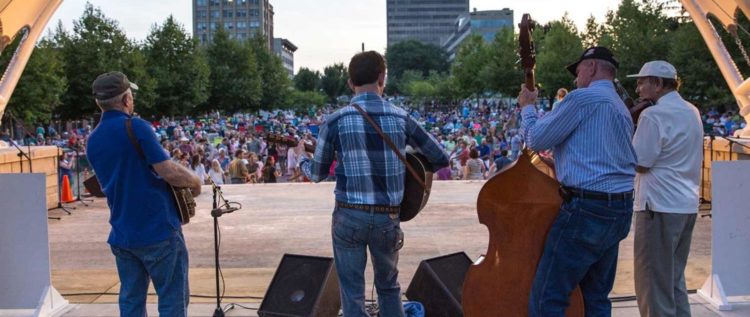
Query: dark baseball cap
[109, 85]
[596, 52]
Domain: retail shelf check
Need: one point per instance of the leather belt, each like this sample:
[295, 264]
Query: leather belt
[569, 192]
[380, 209]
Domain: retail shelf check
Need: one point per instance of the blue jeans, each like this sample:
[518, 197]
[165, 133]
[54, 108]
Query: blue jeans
[353, 231]
[581, 249]
[166, 264]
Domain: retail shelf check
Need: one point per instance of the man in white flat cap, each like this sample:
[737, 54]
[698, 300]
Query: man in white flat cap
[668, 143]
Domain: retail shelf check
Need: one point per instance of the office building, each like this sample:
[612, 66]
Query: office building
[428, 21]
[242, 19]
[484, 23]
[285, 50]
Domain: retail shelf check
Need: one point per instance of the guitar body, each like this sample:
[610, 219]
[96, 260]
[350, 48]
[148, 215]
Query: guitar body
[183, 197]
[415, 197]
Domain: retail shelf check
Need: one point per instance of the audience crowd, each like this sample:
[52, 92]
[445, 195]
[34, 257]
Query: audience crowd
[479, 135]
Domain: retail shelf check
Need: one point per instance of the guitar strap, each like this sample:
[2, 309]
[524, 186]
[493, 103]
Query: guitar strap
[133, 140]
[391, 145]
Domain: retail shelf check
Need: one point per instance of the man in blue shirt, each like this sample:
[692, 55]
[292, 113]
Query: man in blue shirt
[590, 133]
[369, 185]
[146, 237]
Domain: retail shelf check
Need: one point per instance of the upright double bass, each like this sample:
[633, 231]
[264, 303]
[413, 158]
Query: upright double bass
[518, 206]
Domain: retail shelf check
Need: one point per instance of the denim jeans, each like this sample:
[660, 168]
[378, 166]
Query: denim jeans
[581, 249]
[166, 264]
[353, 232]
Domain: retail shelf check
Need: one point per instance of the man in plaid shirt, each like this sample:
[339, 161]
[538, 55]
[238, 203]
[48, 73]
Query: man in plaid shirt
[369, 184]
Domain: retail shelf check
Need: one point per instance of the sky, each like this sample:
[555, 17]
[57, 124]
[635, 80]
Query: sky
[325, 31]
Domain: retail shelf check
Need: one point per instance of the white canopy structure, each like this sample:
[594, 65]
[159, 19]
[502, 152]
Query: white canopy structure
[726, 12]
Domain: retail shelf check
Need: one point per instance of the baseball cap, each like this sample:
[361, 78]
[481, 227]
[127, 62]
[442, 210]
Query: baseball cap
[657, 69]
[596, 52]
[111, 84]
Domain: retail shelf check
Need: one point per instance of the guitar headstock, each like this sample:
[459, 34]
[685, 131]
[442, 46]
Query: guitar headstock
[527, 50]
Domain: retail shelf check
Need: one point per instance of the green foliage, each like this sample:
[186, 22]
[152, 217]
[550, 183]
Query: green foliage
[235, 79]
[301, 100]
[471, 59]
[97, 45]
[177, 77]
[436, 86]
[413, 55]
[334, 81]
[274, 78]
[180, 71]
[702, 81]
[636, 33]
[559, 46]
[502, 73]
[592, 33]
[307, 80]
[42, 83]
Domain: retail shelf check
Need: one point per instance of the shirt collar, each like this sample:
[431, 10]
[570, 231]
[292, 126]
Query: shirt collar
[668, 98]
[602, 83]
[111, 114]
[366, 96]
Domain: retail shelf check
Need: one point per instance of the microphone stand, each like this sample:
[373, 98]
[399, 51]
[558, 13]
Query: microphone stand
[78, 178]
[21, 154]
[217, 212]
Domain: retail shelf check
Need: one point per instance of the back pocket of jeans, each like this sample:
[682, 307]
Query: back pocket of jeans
[343, 236]
[592, 228]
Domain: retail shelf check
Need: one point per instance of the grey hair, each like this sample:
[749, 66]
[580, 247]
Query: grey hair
[607, 67]
[112, 103]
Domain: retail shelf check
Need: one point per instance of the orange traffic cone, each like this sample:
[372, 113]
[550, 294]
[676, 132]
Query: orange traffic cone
[67, 194]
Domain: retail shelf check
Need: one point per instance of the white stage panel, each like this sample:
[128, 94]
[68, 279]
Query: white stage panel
[24, 250]
[730, 248]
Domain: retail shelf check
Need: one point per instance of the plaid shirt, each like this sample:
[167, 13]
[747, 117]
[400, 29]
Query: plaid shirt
[367, 170]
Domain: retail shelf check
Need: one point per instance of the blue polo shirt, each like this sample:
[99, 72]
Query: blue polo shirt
[142, 210]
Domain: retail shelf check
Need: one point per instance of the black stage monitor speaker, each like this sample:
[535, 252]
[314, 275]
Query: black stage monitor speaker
[302, 286]
[438, 284]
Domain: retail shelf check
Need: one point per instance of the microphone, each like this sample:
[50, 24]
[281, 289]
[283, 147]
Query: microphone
[218, 212]
[230, 209]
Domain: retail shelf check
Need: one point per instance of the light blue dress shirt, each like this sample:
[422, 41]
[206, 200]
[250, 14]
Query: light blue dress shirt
[590, 132]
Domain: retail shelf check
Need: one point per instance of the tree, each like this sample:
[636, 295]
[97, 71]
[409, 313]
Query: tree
[41, 85]
[307, 80]
[592, 33]
[414, 55]
[471, 59]
[301, 100]
[703, 84]
[234, 79]
[179, 69]
[559, 47]
[636, 33]
[334, 81]
[97, 45]
[274, 78]
[502, 72]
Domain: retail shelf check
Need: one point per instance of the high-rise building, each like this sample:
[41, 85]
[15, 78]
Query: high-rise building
[285, 50]
[242, 19]
[485, 23]
[428, 21]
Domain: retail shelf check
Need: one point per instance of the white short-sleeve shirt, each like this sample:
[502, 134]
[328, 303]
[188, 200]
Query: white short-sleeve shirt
[669, 141]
